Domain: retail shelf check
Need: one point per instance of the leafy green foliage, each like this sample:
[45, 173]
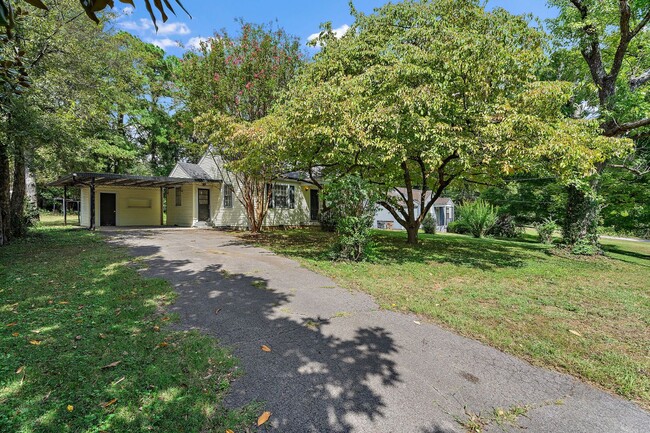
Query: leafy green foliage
[546, 230]
[505, 226]
[457, 227]
[428, 93]
[429, 224]
[478, 217]
[351, 201]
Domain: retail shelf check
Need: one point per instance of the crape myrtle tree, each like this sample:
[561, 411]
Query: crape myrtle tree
[231, 84]
[421, 94]
[602, 46]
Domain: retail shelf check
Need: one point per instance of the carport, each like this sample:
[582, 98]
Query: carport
[124, 200]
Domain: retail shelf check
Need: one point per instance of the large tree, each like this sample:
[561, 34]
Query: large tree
[602, 47]
[231, 84]
[423, 94]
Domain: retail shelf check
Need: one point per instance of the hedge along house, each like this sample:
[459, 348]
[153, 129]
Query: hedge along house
[195, 195]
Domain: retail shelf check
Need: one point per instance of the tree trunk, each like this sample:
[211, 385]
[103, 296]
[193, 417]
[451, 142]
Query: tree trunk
[30, 189]
[4, 194]
[412, 235]
[582, 216]
[18, 221]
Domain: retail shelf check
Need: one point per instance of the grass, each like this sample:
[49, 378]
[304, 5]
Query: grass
[589, 317]
[87, 347]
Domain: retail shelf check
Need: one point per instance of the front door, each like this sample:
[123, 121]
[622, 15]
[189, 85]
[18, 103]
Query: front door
[314, 204]
[204, 204]
[107, 208]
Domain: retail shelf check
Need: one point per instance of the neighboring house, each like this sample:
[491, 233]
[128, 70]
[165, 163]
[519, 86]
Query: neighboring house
[442, 210]
[202, 194]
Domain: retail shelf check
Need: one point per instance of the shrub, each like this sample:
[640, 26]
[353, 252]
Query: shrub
[478, 217]
[429, 224]
[545, 230]
[328, 220]
[457, 227]
[506, 227]
[585, 248]
[352, 206]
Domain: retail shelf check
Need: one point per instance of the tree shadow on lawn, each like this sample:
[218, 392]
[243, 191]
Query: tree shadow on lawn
[83, 343]
[391, 247]
[310, 381]
[615, 249]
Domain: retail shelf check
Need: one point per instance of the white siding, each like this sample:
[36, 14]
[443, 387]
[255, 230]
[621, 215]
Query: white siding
[178, 172]
[236, 215]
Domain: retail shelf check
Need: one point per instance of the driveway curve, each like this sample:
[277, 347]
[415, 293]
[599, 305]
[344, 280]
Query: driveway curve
[340, 364]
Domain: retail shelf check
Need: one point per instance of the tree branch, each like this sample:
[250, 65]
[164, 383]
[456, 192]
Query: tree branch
[637, 171]
[644, 21]
[626, 37]
[618, 129]
[636, 82]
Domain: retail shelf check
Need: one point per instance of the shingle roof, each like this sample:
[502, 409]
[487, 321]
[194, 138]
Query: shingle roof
[194, 171]
[440, 201]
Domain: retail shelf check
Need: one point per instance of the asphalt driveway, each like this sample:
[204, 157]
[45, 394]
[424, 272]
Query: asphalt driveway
[339, 364]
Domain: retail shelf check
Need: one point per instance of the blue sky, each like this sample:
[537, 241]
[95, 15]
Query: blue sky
[298, 17]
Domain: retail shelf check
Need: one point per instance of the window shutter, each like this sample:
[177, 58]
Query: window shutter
[292, 196]
[269, 194]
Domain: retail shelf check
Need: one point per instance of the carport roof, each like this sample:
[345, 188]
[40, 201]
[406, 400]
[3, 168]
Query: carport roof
[84, 179]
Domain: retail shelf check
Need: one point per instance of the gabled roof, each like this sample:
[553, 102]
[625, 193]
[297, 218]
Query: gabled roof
[194, 171]
[440, 201]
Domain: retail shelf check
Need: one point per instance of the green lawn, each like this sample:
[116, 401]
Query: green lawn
[589, 317]
[86, 345]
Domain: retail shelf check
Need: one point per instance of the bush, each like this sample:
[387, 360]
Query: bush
[354, 242]
[478, 217]
[585, 248]
[506, 227]
[429, 224]
[328, 220]
[545, 230]
[457, 227]
[352, 206]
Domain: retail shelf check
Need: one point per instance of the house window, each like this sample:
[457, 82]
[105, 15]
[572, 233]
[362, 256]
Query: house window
[283, 197]
[227, 195]
[178, 192]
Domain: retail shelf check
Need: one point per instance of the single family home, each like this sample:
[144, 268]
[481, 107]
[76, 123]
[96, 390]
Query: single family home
[442, 211]
[203, 194]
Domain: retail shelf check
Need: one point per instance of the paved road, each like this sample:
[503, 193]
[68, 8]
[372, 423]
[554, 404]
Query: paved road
[339, 364]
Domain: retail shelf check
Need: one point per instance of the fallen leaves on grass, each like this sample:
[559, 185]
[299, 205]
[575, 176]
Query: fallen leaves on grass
[163, 344]
[35, 342]
[263, 418]
[20, 369]
[229, 431]
[575, 332]
[265, 348]
[70, 408]
[12, 324]
[15, 334]
[111, 365]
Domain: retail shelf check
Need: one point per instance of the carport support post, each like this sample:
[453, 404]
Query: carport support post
[65, 205]
[92, 204]
[162, 194]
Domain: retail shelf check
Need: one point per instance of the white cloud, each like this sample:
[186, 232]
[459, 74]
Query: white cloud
[140, 25]
[163, 43]
[338, 32]
[127, 10]
[173, 29]
[195, 42]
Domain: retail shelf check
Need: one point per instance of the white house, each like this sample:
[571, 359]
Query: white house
[203, 194]
[442, 210]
